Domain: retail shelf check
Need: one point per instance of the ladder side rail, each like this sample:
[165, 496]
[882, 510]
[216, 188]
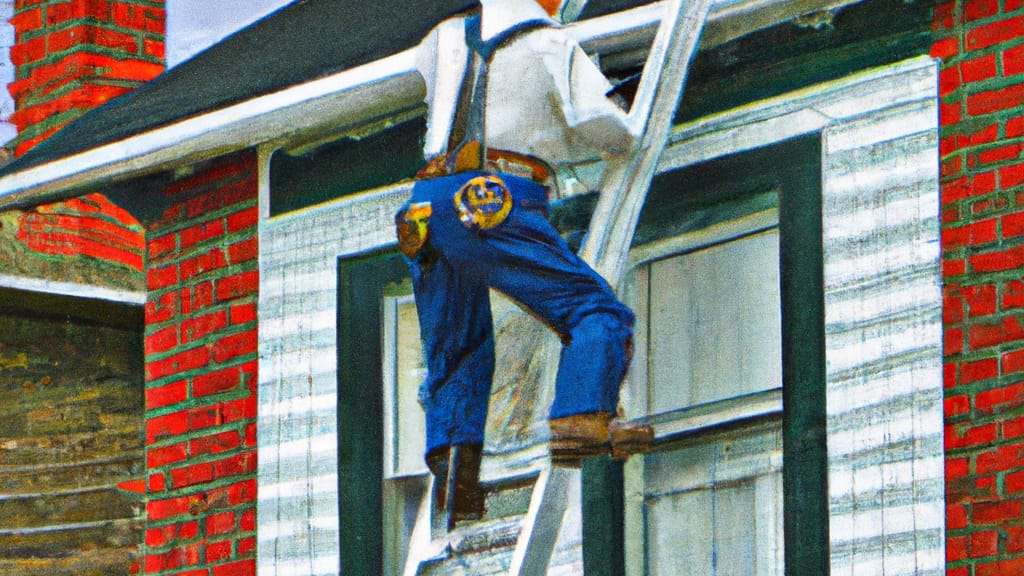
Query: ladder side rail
[624, 188]
[627, 178]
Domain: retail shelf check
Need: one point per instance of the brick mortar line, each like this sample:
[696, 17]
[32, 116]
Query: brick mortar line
[997, 416]
[99, 216]
[220, 213]
[63, 258]
[209, 401]
[40, 128]
[92, 21]
[178, 255]
[203, 459]
[968, 55]
[58, 90]
[225, 240]
[1005, 244]
[993, 84]
[982, 147]
[95, 49]
[224, 306]
[230, 270]
[240, 328]
[241, 392]
[218, 397]
[188, 374]
[233, 536]
[237, 508]
[236, 426]
[216, 307]
[987, 277]
[198, 489]
[144, 3]
[985, 354]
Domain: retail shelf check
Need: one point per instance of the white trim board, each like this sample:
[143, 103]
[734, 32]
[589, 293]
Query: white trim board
[71, 289]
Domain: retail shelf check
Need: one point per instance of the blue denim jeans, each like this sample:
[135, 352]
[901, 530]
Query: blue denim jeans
[524, 258]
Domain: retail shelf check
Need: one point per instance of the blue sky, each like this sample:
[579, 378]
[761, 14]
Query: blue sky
[193, 25]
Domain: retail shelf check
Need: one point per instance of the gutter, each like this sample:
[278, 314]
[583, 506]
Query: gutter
[343, 101]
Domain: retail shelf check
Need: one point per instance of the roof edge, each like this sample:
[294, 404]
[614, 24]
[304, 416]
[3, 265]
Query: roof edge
[341, 100]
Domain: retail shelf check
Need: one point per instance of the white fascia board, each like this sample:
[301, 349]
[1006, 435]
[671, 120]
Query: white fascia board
[342, 100]
[72, 289]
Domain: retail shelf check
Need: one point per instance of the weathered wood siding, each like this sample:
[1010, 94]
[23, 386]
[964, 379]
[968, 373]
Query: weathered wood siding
[298, 442]
[71, 421]
[883, 331]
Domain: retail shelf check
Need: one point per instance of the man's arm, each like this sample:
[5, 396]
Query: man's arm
[588, 111]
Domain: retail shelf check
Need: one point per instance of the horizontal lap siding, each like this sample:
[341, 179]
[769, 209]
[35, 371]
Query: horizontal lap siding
[298, 376]
[883, 339]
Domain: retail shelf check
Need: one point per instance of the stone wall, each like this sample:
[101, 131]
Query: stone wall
[70, 434]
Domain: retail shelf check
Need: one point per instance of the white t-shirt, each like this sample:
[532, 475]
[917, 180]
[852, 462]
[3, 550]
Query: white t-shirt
[545, 97]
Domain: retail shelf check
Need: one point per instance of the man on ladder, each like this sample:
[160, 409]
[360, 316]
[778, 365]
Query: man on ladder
[527, 100]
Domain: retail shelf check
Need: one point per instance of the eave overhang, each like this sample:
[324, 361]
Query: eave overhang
[345, 101]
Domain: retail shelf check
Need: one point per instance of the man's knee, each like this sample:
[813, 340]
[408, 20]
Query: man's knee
[607, 328]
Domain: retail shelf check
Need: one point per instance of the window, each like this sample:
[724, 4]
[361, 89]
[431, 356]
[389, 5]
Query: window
[726, 283]
[708, 345]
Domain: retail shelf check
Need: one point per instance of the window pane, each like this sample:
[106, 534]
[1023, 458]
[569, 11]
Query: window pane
[713, 506]
[407, 428]
[714, 323]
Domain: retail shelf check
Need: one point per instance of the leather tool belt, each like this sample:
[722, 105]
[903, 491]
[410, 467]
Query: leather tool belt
[505, 161]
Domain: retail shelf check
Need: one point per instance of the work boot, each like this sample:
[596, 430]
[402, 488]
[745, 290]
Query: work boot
[437, 463]
[578, 436]
[628, 438]
[466, 497]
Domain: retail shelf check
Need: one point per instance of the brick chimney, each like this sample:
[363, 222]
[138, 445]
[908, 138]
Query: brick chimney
[71, 56]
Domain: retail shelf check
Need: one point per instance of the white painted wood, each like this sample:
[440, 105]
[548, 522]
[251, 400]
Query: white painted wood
[71, 289]
[634, 517]
[690, 420]
[883, 325]
[404, 426]
[706, 307]
[714, 234]
[727, 487]
[264, 152]
[806, 111]
[543, 521]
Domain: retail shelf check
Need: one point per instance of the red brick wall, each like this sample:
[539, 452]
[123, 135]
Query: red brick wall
[87, 226]
[73, 55]
[981, 88]
[201, 375]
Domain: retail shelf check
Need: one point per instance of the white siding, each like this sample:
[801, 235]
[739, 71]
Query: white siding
[298, 482]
